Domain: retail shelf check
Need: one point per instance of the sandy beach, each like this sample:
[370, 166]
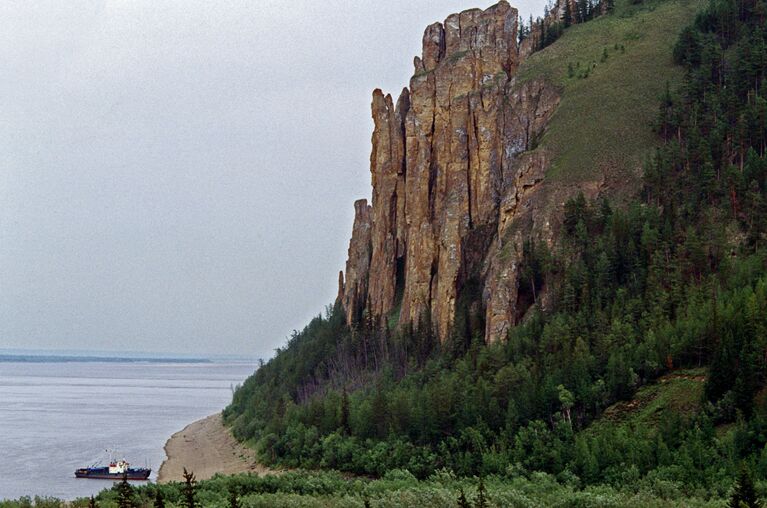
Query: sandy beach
[206, 447]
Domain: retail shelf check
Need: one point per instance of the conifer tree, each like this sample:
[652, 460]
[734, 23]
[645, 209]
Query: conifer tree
[744, 493]
[345, 426]
[481, 494]
[234, 501]
[159, 501]
[189, 490]
[125, 493]
[462, 501]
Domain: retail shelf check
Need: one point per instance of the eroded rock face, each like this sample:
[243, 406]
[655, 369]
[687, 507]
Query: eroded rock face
[453, 179]
[355, 288]
[387, 168]
[453, 151]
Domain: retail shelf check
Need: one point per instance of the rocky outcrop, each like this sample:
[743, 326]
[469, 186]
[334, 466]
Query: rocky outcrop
[387, 168]
[454, 179]
[355, 287]
[454, 153]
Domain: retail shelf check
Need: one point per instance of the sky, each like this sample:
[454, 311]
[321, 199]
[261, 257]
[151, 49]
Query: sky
[178, 176]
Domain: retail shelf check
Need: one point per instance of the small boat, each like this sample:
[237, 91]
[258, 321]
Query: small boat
[116, 470]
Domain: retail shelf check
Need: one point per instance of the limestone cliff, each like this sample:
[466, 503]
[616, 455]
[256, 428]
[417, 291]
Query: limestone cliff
[457, 186]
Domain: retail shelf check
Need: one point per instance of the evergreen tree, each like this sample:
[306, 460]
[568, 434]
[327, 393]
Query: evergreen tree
[189, 490]
[125, 495]
[744, 494]
[481, 494]
[159, 501]
[234, 501]
[462, 501]
[345, 425]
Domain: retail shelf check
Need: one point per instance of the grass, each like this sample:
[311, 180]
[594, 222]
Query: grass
[602, 125]
[679, 393]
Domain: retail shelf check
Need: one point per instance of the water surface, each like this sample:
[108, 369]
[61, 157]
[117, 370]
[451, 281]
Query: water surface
[56, 416]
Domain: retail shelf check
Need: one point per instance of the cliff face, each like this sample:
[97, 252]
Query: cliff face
[354, 290]
[455, 183]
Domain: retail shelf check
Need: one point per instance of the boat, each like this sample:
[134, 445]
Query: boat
[116, 470]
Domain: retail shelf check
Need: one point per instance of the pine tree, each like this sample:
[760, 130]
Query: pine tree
[380, 412]
[234, 502]
[481, 494]
[530, 27]
[345, 425]
[125, 493]
[744, 493]
[462, 501]
[159, 501]
[189, 490]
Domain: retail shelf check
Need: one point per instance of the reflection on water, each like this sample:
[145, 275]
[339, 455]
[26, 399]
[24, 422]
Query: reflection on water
[56, 417]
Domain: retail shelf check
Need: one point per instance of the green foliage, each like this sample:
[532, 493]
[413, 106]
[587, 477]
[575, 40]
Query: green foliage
[587, 388]
[125, 494]
[600, 126]
[189, 490]
[159, 500]
[331, 490]
[462, 501]
[481, 494]
[743, 494]
[234, 500]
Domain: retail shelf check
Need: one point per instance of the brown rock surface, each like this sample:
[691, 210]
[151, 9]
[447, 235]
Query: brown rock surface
[387, 168]
[453, 153]
[358, 264]
[457, 182]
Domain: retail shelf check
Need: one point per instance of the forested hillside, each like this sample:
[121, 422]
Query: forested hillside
[671, 276]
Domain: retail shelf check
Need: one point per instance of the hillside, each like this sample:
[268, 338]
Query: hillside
[600, 130]
[484, 146]
[557, 293]
[562, 270]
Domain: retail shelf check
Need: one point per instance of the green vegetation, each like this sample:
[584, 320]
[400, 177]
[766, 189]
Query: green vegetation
[673, 395]
[644, 381]
[589, 391]
[399, 488]
[601, 127]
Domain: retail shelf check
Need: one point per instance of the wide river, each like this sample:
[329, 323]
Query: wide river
[58, 416]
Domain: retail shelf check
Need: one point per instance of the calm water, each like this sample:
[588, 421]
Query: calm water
[55, 417]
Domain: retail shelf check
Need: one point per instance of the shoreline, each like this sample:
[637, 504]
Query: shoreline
[207, 447]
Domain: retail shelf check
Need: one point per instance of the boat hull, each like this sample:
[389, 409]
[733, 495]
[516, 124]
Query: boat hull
[102, 473]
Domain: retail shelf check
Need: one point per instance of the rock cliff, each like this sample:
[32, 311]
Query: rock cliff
[458, 184]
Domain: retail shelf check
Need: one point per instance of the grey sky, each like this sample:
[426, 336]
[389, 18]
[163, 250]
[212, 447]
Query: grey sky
[179, 176]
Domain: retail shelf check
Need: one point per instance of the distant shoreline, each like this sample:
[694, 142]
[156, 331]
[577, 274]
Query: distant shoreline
[94, 359]
[207, 447]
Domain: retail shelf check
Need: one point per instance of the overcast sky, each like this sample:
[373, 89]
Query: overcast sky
[179, 176]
